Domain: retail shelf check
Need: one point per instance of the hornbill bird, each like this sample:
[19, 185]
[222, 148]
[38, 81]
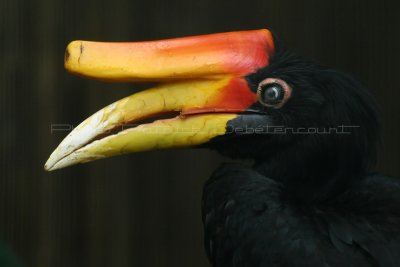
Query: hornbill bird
[308, 199]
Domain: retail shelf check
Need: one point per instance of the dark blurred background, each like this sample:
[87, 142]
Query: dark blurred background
[144, 209]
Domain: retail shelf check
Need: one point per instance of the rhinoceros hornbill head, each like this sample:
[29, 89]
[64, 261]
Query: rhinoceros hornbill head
[238, 92]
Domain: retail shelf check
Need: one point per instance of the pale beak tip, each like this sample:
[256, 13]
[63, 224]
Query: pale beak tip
[54, 166]
[48, 166]
[48, 169]
[52, 162]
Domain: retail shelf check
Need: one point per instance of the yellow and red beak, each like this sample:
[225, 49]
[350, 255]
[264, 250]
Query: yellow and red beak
[202, 82]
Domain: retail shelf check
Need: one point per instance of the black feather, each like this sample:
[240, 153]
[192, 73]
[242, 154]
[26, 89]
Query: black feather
[309, 199]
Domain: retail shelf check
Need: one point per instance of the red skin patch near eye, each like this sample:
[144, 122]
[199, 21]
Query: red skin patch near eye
[236, 96]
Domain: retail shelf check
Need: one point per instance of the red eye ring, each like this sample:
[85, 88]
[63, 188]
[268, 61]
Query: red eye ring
[265, 84]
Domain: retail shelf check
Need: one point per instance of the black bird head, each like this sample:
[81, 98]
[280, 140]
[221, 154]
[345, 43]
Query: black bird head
[322, 137]
[240, 93]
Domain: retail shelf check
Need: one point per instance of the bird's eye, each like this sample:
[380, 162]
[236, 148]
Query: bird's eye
[273, 92]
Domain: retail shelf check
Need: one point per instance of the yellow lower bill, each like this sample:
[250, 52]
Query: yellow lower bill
[170, 133]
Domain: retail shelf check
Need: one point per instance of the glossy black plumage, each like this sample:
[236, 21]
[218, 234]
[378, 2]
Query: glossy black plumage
[250, 221]
[309, 199]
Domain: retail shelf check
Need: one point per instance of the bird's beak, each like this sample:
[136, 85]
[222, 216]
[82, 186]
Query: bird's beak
[202, 87]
